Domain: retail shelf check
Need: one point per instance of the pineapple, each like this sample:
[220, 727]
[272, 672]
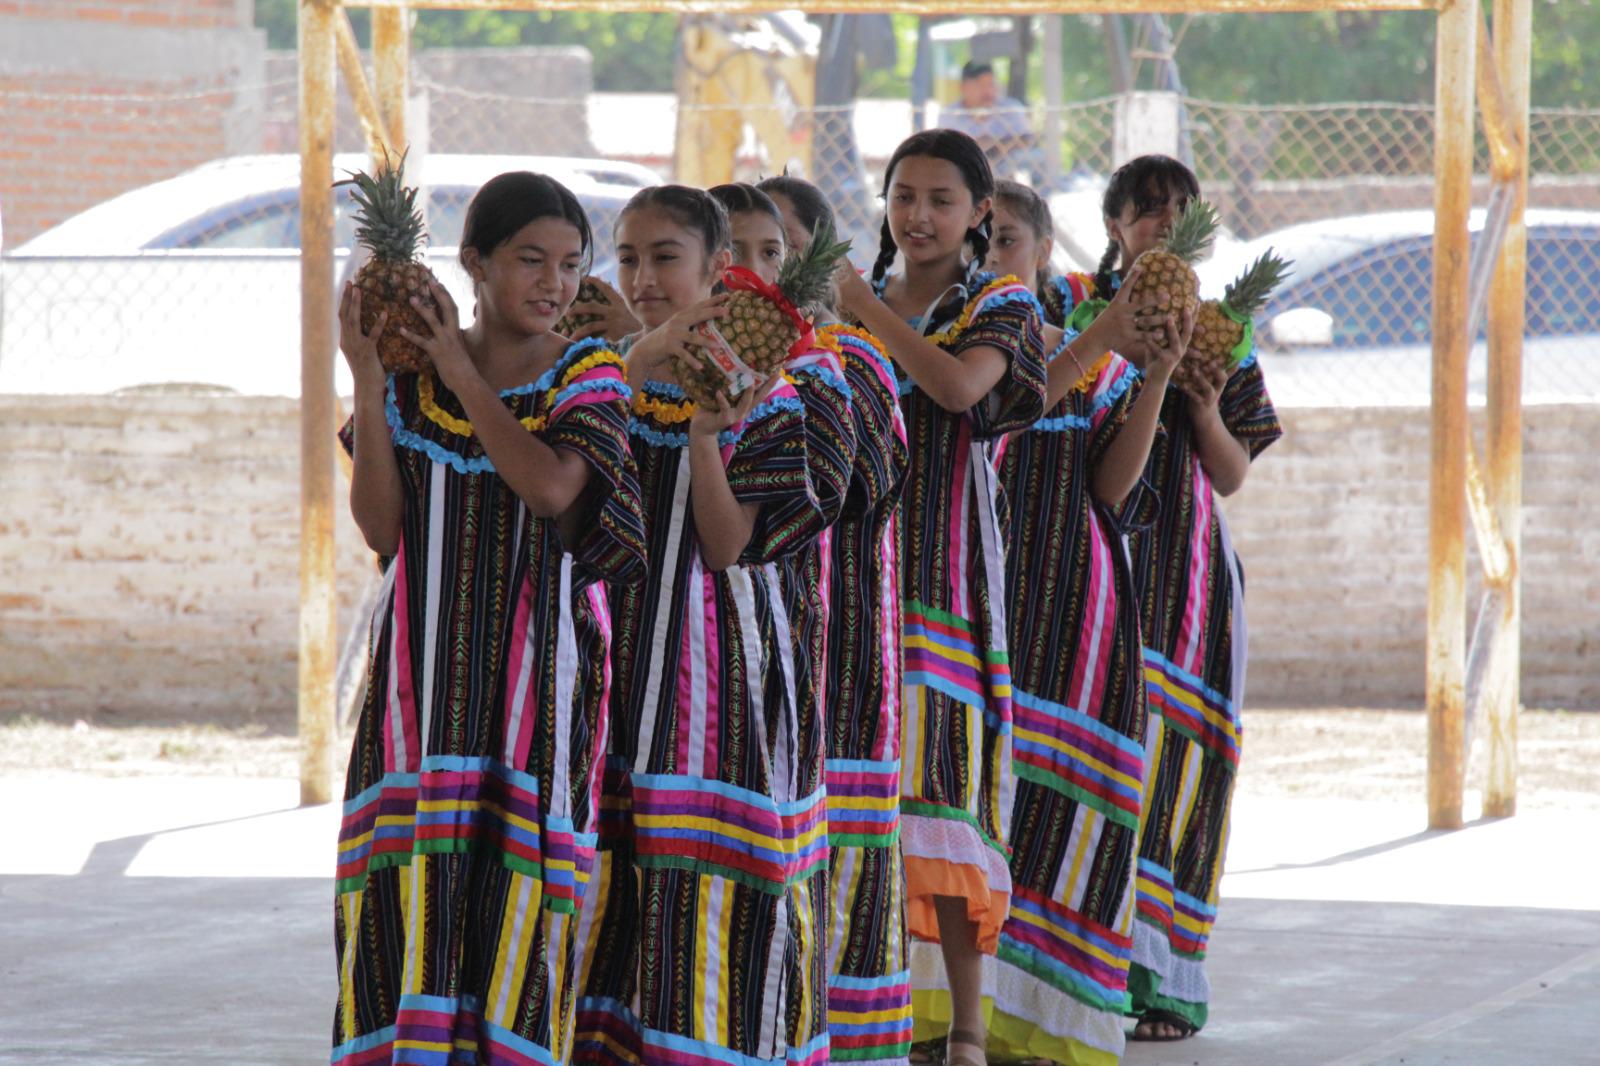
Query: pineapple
[590, 291]
[390, 226]
[753, 341]
[1166, 278]
[1220, 325]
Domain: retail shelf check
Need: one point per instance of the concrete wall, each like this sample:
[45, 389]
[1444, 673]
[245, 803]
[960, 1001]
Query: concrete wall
[148, 558]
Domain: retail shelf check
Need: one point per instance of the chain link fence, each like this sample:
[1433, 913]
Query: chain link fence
[189, 278]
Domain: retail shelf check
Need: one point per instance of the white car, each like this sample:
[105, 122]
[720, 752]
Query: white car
[1353, 324]
[194, 283]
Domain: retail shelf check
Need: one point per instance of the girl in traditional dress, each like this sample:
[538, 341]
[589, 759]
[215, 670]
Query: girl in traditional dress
[1191, 597]
[969, 359]
[500, 482]
[704, 940]
[869, 984]
[1060, 984]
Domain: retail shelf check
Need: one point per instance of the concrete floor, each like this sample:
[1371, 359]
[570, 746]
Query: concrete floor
[181, 920]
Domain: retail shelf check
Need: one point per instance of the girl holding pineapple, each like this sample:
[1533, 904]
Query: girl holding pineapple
[704, 935]
[1215, 419]
[495, 473]
[869, 984]
[1078, 699]
[969, 359]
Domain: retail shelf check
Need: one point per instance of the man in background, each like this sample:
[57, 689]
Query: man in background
[998, 123]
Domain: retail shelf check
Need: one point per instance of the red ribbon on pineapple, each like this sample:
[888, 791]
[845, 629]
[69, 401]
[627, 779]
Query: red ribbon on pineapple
[742, 279]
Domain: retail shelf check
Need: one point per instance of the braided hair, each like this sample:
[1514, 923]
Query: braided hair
[1031, 208]
[1147, 182]
[954, 147]
[693, 209]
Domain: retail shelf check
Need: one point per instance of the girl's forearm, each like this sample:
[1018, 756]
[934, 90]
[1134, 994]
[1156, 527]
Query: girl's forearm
[725, 525]
[1123, 464]
[954, 382]
[377, 495]
[1225, 458]
[1068, 368]
[547, 479]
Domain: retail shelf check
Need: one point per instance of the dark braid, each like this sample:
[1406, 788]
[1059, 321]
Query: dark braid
[1147, 182]
[978, 238]
[952, 146]
[886, 253]
[1102, 273]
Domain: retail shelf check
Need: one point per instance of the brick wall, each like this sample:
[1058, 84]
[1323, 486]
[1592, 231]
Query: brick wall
[148, 558]
[101, 96]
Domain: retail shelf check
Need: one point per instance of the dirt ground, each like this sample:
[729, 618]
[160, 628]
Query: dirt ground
[1325, 752]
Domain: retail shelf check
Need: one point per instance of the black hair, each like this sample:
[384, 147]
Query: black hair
[975, 69]
[508, 202]
[1147, 182]
[1032, 209]
[954, 147]
[810, 206]
[691, 208]
[738, 198]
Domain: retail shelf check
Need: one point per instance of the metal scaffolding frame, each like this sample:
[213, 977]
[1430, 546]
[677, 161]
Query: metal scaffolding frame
[1470, 68]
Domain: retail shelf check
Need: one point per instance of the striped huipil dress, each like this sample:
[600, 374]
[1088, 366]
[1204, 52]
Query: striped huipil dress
[869, 980]
[1060, 982]
[704, 938]
[470, 801]
[955, 778]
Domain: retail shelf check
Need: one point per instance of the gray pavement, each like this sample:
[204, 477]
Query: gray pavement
[180, 920]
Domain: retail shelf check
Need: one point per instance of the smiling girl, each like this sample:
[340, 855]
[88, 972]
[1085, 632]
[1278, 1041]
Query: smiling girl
[704, 940]
[500, 482]
[969, 358]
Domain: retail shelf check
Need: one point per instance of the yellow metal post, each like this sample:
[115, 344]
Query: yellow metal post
[318, 608]
[1513, 39]
[1446, 647]
[355, 79]
[391, 57]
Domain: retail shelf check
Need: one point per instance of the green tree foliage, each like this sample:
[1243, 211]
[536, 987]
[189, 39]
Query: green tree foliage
[1311, 57]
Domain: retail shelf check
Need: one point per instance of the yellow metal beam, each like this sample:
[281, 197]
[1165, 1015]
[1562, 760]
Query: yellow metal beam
[1499, 125]
[1446, 646]
[355, 79]
[318, 608]
[391, 59]
[1513, 43]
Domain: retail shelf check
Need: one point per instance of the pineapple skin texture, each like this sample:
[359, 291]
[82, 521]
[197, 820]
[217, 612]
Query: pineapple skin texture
[588, 293]
[1215, 336]
[387, 285]
[1167, 283]
[759, 333]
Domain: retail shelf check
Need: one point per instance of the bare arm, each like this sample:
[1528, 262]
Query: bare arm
[1123, 464]
[1120, 328]
[548, 480]
[1224, 456]
[723, 523]
[954, 382]
[377, 495]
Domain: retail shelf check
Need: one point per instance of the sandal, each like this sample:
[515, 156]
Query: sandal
[971, 1045]
[1145, 1030]
[929, 1052]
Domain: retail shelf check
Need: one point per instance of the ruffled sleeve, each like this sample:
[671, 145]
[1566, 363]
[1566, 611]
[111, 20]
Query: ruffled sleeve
[1246, 408]
[1063, 295]
[818, 377]
[1004, 315]
[587, 405]
[765, 458]
[881, 453]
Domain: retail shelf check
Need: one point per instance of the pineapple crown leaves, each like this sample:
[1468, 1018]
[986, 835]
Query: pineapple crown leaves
[387, 219]
[806, 277]
[1193, 232]
[1248, 292]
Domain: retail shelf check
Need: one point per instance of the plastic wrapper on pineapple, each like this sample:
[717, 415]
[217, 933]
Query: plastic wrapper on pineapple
[1222, 340]
[591, 290]
[761, 331]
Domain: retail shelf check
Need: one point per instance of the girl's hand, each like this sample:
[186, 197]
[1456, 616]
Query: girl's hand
[1169, 340]
[445, 345]
[360, 349]
[853, 288]
[1205, 389]
[709, 420]
[614, 319]
[1132, 332]
[678, 335]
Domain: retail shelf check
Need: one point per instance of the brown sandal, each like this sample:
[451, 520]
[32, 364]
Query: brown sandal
[972, 1045]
